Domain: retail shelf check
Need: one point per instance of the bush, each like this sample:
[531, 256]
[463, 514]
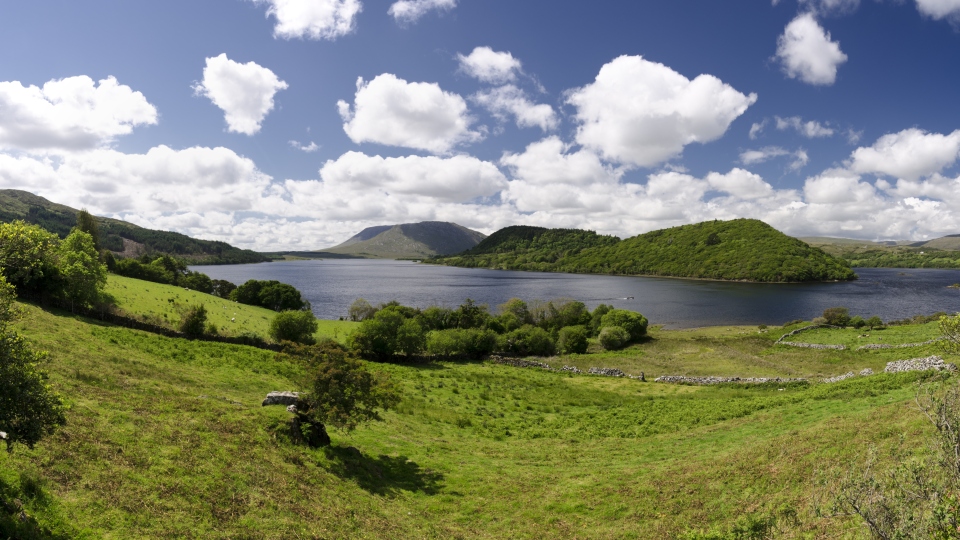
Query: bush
[614, 337]
[634, 323]
[360, 310]
[295, 326]
[572, 340]
[597, 316]
[222, 288]
[837, 316]
[193, 321]
[527, 340]
[269, 294]
[461, 343]
[874, 322]
[84, 276]
[387, 334]
[857, 322]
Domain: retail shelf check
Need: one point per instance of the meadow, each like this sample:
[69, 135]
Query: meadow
[166, 438]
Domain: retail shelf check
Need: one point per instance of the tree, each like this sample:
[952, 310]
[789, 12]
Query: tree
[27, 255]
[193, 322]
[837, 316]
[296, 326]
[572, 340]
[269, 294]
[88, 224]
[341, 393]
[83, 274]
[950, 331]
[29, 408]
[874, 322]
[360, 310]
[634, 323]
[614, 337]
[222, 288]
[528, 340]
[378, 337]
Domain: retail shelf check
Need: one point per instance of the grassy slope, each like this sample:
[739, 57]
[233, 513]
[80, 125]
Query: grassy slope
[410, 240]
[163, 304]
[166, 438]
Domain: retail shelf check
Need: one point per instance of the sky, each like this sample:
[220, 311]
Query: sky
[294, 124]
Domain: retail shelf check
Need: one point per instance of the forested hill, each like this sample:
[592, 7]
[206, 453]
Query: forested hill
[741, 249]
[59, 219]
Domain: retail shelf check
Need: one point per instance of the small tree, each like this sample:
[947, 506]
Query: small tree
[341, 393]
[27, 255]
[614, 337]
[360, 310]
[193, 322]
[80, 267]
[634, 323]
[950, 331]
[29, 408]
[296, 326]
[874, 322]
[88, 224]
[222, 288]
[837, 316]
[572, 340]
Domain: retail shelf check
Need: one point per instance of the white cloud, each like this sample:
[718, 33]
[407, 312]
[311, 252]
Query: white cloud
[389, 110]
[940, 9]
[308, 148]
[740, 183]
[909, 154]
[751, 157]
[410, 11]
[313, 19]
[828, 7]
[547, 162]
[69, 114]
[810, 129]
[244, 92]
[853, 136]
[510, 100]
[490, 66]
[807, 53]
[643, 113]
[757, 128]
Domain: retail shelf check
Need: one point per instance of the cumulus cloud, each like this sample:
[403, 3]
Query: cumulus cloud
[509, 100]
[757, 128]
[740, 183]
[410, 11]
[308, 148]
[643, 113]
[909, 154]
[244, 92]
[751, 157]
[549, 162]
[806, 52]
[313, 19]
[389, 110]
[490, 66]
[809, 129]
[69, 114]
[940, 9]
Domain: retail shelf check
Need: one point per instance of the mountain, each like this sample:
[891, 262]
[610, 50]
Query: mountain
[937, 253]
[408, 241]
[740, 249]
[120, 236]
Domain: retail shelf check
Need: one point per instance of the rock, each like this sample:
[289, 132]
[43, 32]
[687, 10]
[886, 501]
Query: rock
[866, 372]
[3, 435]
[839, 378]
[292, 409]
[606, 372]
[812, 345]
[919, 364]
[281, 398]
[571, 369]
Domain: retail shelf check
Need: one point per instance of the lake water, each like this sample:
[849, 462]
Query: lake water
[332, 285]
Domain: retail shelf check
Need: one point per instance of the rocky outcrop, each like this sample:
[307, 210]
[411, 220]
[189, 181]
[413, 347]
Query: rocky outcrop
[683, 379]
[281, 398]
[919, 364]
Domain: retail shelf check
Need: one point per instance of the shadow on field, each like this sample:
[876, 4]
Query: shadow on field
[15, 522]
[384, 475]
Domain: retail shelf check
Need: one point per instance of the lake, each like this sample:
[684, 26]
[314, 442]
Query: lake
[332, 285]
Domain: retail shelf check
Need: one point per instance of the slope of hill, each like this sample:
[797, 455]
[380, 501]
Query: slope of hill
[409, 241]
[938, 253]
[741, 249]
[947, 243]
[121, 236]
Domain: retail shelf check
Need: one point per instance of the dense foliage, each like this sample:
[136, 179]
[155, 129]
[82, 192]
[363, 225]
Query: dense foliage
[295, 326]
[20, 205]
[169, 271]
[471, 331]
[740, 249]
[269, 294]
[902, 257]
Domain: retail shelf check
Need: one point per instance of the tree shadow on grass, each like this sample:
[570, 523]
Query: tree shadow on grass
[383, 475]
[15, 521]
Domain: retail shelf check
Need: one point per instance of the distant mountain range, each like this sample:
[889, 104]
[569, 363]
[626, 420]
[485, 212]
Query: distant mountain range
[120, 236]
[408, 241]
[941, 252]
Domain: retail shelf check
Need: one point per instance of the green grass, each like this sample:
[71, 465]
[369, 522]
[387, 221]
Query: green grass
[166, 438]
[163, 304]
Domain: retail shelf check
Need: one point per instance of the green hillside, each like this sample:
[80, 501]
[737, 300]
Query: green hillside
[121, 236]
[741, 249]
[408, 241]
[166, 438]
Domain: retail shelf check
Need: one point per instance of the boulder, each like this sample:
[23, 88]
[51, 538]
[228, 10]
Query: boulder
[281, 398]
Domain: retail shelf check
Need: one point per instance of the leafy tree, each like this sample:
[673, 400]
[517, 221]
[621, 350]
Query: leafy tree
[837, 316]
[88, 224]
[596, 316]
[29, 408]
[874, 322]
[360, 310]
[518, 308]
[222, 288]
[857, 322]
[84, 276]
[572, 340]
[388, 333]
[411, 339]
[436, 318]
[614, 337]
[527, 340]
[470, 315]
[27, 255]
[197, 281]
[950, 331]
[269, 294]
[634, 323]
[341, 393]
[296, 326]
[193, 322]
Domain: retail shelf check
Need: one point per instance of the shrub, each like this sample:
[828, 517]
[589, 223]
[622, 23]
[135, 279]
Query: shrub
[462, 343]
[596, 317]
[837, 316]
[360, 310]
[527, 340]
[614, 337]
[411, 339]
[295, 326]
[387, 334]
[857, 322]
[572, 340]
[269, 294]
[222, 288]
[874, 322]
[193, 321]
[634, 323]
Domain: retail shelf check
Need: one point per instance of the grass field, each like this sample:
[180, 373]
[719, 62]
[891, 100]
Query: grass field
[163, 304]
[166, 438]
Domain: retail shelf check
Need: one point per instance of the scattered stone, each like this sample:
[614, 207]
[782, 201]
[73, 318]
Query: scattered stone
[571, 369]
[606, 372]
[292, 409]
[839, 378]
[919, 364]
[866, 372]
[281, 398]
[682, 379]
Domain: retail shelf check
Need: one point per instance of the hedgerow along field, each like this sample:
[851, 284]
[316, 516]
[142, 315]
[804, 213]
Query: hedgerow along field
[166, 437]
[164, 304]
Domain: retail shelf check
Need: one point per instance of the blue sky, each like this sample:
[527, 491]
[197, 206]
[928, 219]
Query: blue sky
[293, 124]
